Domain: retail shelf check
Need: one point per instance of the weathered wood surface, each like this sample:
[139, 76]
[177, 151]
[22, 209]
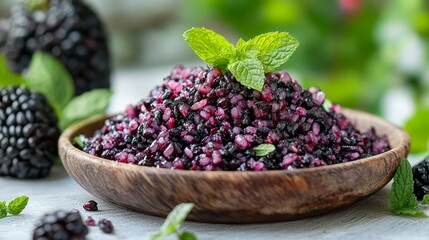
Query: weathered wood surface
[366, 219]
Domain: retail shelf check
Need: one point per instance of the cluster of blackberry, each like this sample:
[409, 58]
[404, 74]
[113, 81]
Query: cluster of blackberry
[28, 134]
[61, 225]
[68, 30]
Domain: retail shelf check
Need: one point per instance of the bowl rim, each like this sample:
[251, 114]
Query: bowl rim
[67, 136]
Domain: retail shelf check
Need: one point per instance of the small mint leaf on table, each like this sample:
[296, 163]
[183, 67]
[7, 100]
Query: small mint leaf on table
[249, 72]
[402, 199]
[264, 149]
[17, 205]
[7, 77]
[48, 76]
[3, 209]
[158, 236]
[425, 199]
[94, 102]
[173, 222]
[187, 236]
[210, 46]
[176, 217]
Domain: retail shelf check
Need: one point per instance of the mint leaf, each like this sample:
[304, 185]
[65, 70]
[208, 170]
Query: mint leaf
[249, 60]
[210, 46]
[187, 236]
[327, 104]
[17, 205]
[266, 42]
[78, 141]
[275, 48]
[3, 210]
[249, 72]
[173, 221]
[94, 102]
[246, 50]
[48, 76]
[425, 199]
[264, 149]
[176, 217]
[8, 77]
[402, 199]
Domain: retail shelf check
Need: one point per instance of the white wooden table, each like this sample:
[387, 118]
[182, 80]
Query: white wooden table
[367, 219]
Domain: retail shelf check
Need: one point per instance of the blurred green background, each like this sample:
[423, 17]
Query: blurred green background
[371, 55]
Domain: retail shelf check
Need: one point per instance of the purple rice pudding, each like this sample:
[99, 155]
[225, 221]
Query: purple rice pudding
[202, 119]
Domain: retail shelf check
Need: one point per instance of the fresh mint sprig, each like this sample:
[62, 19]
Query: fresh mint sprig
[173, 222]
[14, 207]
[248, 60]
[402, 199]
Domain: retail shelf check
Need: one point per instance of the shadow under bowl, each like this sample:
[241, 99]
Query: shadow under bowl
[232, 196]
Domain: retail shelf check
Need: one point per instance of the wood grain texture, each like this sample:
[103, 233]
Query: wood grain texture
[236, 197]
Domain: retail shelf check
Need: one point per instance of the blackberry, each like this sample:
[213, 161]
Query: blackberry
[28, 134]
[421, 178]
[202, 119]
[68, 30]
[60, 225]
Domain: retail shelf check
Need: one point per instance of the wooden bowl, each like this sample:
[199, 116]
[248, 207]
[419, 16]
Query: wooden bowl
[236, 197]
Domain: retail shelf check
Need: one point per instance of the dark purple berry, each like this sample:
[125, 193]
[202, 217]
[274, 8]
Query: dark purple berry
[421, 178]
[105, 225]
[60, 225]
[28, 134]
[201, 119]
[91, 205]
